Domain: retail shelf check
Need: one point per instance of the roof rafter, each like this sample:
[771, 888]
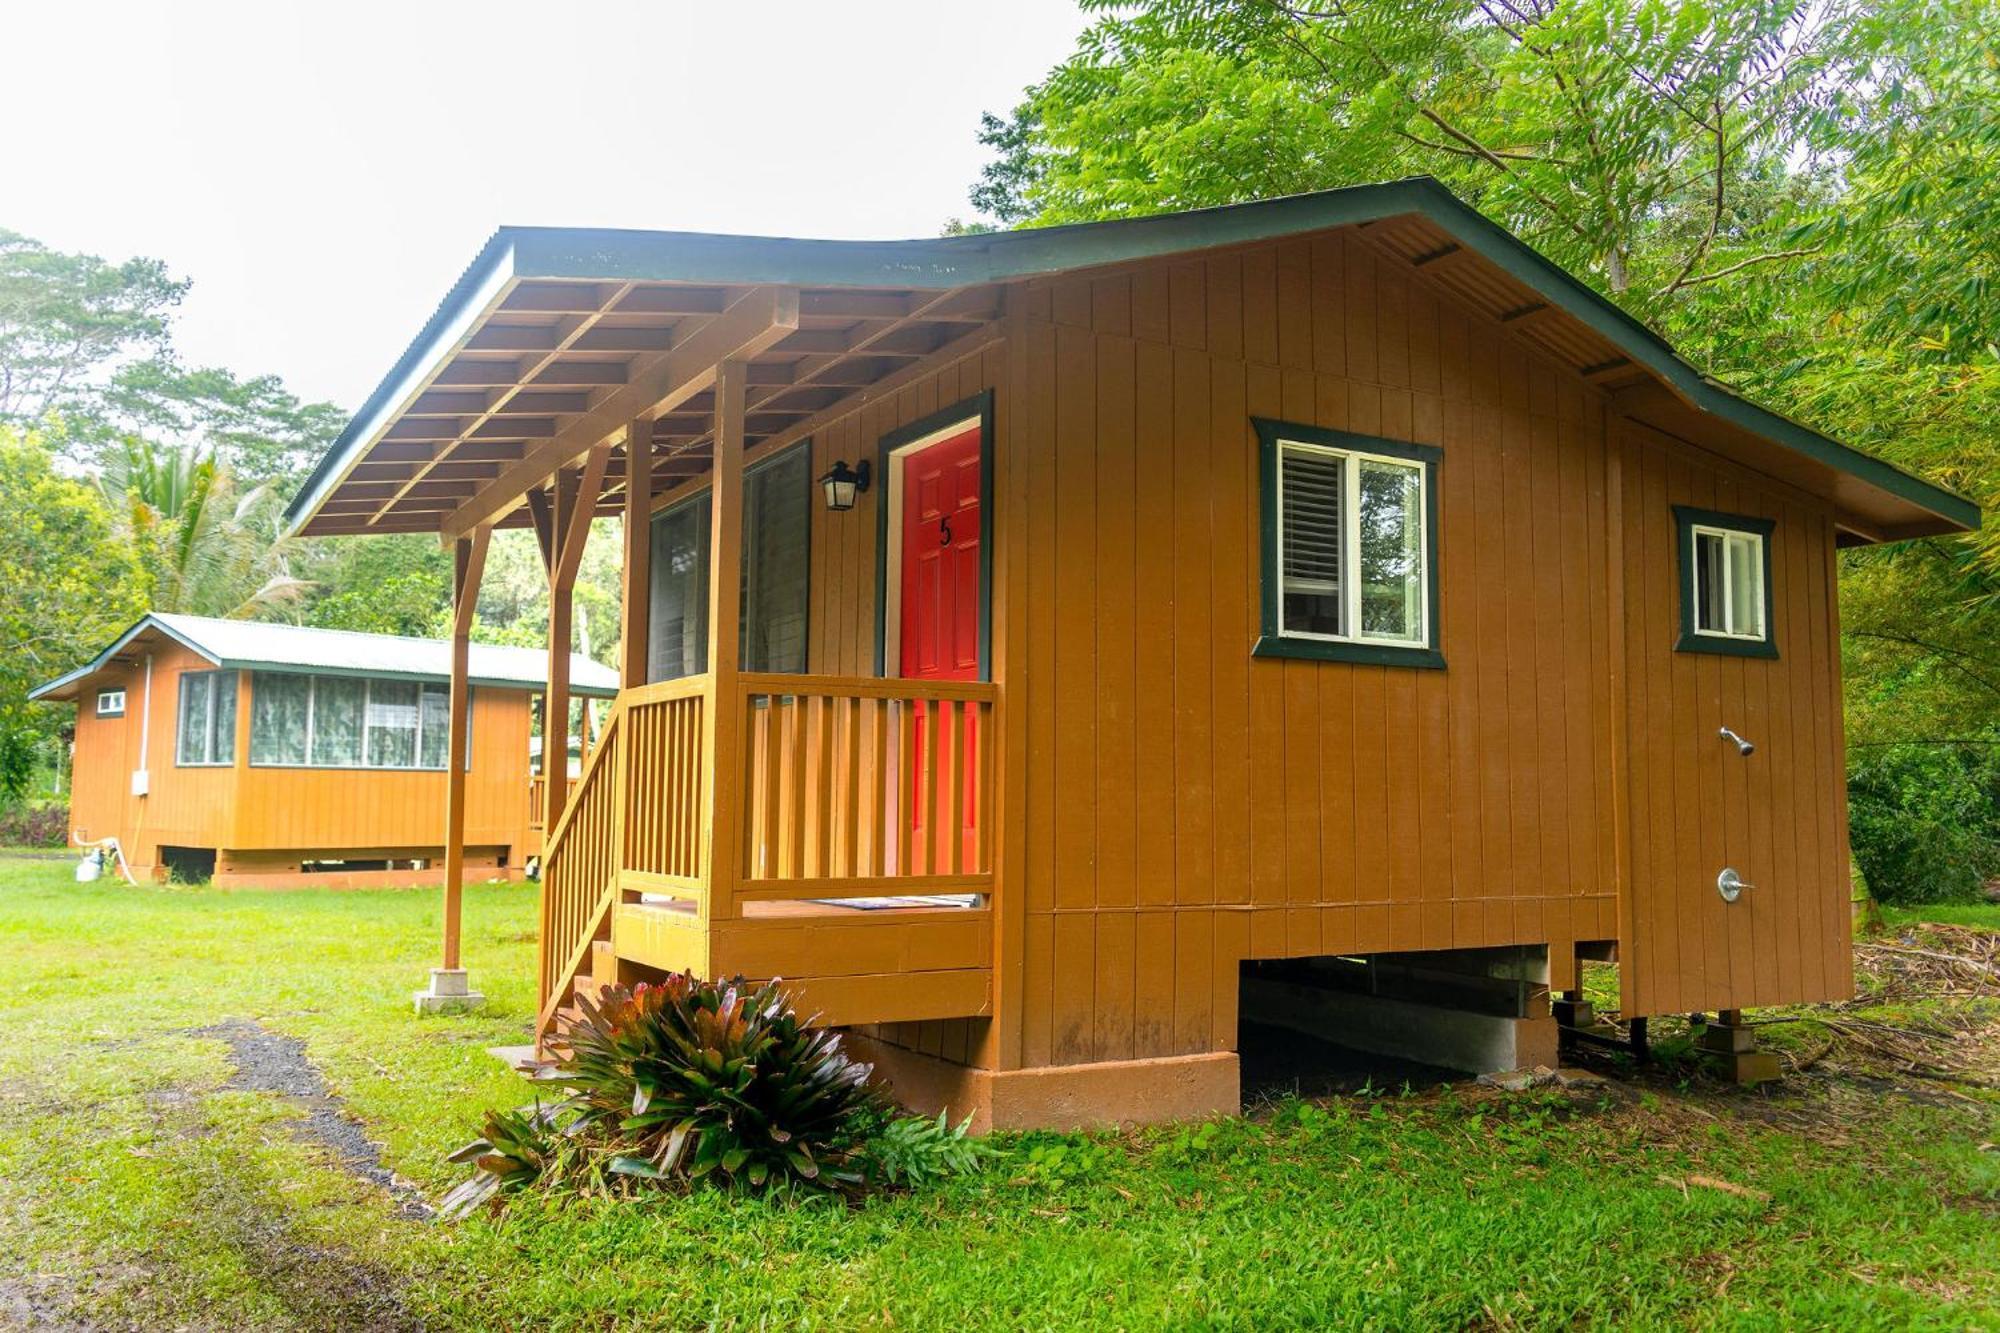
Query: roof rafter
[656, 385]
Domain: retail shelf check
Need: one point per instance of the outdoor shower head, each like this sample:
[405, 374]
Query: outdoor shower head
[1743, 747]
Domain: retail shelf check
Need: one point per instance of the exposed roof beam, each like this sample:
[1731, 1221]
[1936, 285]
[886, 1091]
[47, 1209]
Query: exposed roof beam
[656, 385]
[565, 332]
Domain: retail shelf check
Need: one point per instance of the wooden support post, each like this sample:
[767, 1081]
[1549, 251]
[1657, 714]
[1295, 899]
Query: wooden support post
[723, 720]
[638, 583]
[448, 989]
[575, 499]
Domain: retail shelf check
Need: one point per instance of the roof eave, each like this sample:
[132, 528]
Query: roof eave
[520, 253]
[483, 284]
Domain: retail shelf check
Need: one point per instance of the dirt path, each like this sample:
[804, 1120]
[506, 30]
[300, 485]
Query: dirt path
[268, 1061]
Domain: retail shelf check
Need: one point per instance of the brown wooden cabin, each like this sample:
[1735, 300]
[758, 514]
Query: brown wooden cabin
[1329, 578]
[276, 755]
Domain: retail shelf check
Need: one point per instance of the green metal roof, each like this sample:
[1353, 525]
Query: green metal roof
[257, 645]
[586, 254]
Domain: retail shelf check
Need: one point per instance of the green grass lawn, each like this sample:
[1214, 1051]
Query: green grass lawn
[137, 1190]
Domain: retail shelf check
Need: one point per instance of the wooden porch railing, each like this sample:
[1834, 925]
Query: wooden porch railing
[538, 795]
[579, 876]
[858, 786]
[852, 787]
[664, 827]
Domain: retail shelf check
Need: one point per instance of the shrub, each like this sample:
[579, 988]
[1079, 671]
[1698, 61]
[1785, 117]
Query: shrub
[34, 826]
[680, 1081]
[908, 1152]
[1924, 820]
[518, 1149]
[700, 1076]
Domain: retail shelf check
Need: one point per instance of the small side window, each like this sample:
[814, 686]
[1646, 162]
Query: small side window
[1725, 583]
[111, 703]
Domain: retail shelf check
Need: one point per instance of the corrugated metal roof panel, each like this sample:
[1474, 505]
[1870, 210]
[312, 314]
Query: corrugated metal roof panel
[252, 643]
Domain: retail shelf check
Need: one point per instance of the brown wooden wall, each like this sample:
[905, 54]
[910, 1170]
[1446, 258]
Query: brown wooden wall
[1189, 806]
[186, 807]
[299, 810]
[1780, 817]
[1175, 806]
[311, 808]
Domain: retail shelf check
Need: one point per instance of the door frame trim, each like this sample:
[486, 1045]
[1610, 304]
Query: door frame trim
[907, 439]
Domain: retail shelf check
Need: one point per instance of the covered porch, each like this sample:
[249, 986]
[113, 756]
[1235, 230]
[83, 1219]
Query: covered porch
[835, 825]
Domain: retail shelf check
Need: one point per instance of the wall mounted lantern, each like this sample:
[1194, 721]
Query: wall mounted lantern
[843, 483]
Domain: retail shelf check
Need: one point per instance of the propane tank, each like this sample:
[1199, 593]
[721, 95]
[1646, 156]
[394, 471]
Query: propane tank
[91, 866]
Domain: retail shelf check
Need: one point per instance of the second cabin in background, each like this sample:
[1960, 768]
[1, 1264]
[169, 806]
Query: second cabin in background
[270, 754]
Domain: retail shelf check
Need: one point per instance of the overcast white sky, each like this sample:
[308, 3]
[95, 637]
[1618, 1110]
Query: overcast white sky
[323, 172]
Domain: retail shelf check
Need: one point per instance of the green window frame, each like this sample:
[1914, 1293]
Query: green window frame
[206, 733]
[775, 605]
[1725, 575]
[1349, 535]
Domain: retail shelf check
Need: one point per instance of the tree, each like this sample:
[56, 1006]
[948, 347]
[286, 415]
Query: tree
[256, 426]
[66, 318]
[204, 545]
[397, 583]
[1631, 140]
[86, 355]
[67, 584]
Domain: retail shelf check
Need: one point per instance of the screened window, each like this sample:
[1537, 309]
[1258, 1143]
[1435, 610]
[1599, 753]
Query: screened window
[347, 722]
[1348, 551]
[111, 703]
[1725, 583]
[677, 622]
[207, 732]
[777, 526]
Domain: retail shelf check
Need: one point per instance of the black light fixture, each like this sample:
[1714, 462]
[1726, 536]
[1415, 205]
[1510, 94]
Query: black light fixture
[843, 483]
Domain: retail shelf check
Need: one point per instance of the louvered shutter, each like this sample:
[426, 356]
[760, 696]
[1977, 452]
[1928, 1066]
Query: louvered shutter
[1311, 540]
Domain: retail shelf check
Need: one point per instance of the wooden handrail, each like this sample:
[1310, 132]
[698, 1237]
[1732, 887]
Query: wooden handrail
[859, 785]
[589, 769]
[849, 786]
[868, 687]
[664, 691]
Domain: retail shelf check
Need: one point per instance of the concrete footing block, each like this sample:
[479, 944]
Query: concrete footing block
[1733, 1046]
[447, 993]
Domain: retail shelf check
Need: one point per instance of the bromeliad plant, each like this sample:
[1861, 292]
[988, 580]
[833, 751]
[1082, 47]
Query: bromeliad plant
[698, 1077]
[679, 1081]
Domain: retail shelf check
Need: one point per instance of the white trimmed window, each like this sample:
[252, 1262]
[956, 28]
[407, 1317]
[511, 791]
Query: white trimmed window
[207, 734]
[1350, 547]
[111, 703]
[1725, 575]
[1728, 583]
[301, 721]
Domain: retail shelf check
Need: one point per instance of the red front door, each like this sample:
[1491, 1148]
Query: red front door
[939, 618]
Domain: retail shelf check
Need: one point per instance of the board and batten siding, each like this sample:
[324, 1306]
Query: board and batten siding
[1779, 818]
[303, 809]
[1172, 806]
[1190, 806]
[185, 807]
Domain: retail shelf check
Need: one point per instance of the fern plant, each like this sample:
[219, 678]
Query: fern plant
[909, 1152]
